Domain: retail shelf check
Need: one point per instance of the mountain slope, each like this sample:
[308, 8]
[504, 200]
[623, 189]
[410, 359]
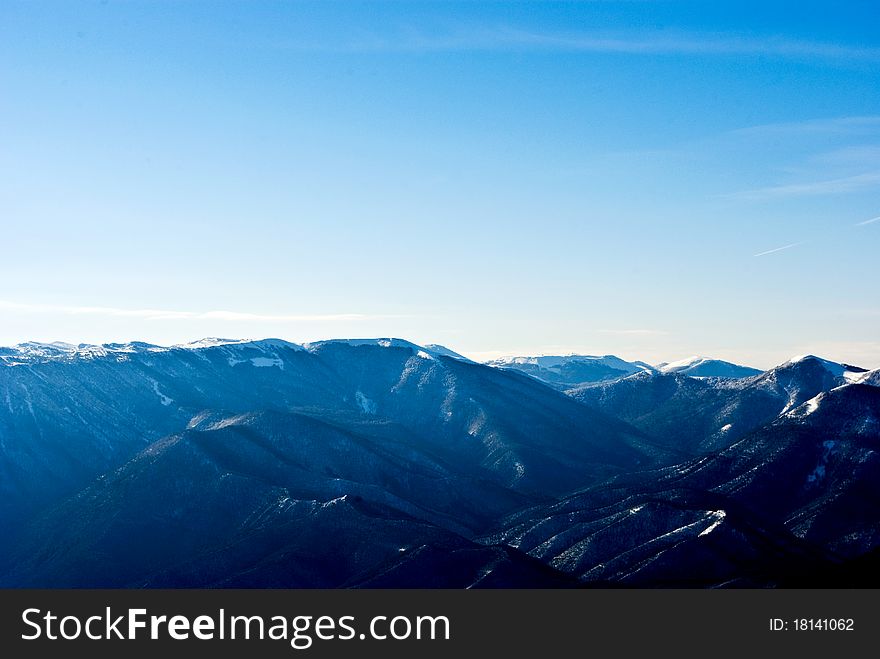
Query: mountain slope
[378, 462]
[440, 440]
[338, 499]
[774, 507]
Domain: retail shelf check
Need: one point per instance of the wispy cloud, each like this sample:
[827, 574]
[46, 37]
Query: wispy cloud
[777, 249]
[789, 246]
[854, 125]
[633, 332]
[505, 38]
[861, 155]
[843, 185]
[166, 314]
[690, 44]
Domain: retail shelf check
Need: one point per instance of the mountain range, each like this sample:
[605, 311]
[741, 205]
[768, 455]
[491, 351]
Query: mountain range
[383, 463]
[568, 371]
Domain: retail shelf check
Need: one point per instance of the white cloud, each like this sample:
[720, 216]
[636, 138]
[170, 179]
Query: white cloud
[503, 38]
[164, 314]
[843, 185]
[871, 221]
[854, 125]
[633, 332]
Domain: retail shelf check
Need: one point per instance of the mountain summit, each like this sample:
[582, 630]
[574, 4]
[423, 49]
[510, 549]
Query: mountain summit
[707, 368]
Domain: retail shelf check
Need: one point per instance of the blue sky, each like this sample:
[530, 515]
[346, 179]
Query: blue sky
[649, 179]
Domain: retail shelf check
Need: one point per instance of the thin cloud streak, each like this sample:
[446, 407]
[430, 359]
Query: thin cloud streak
[871, 221]
[504, 38]
[164, 314]
[633, 332]
[777, 249]
[688, 44]
[815, 188]
[838, 125]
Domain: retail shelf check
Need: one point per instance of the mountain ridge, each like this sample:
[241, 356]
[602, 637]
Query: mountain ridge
[380, 462]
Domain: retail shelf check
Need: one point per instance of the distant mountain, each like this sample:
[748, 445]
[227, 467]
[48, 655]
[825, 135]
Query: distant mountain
[845, 372]
[700, 416]
[571, 370]
[383, 463]
[707, 368]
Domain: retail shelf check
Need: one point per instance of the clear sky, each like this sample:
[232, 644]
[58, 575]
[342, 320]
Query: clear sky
[648, 179]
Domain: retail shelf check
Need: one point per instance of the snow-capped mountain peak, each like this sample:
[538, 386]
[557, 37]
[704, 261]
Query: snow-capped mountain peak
[846, 371]
[698, 366]
[666, 367]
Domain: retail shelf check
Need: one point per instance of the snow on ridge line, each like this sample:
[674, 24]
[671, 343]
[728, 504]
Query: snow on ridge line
[718, 516]
[37, 351]
[833, 367]
[850, 373]
[697, 366]
[807, 407]
[433, 350]
[245, 343]
[687, 362]
[60, 351]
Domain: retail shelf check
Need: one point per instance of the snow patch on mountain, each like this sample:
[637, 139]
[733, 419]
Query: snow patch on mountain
[812, 405]
[28, 401]
[805, 409]
[368, 406]
[818, 473]
[718, 517]
[267, 362]
[165, 400]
